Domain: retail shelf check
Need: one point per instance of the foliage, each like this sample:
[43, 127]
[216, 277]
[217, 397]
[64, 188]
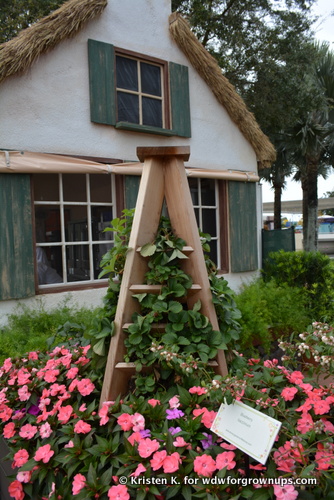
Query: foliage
[312, 272]
[62, 446]
[269, 311]
[30, 328]
[20, 14]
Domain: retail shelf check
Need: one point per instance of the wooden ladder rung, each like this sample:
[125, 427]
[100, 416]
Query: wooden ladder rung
[157, 289]
[131, 367]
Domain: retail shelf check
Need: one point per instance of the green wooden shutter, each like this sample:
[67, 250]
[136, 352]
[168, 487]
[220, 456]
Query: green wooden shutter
[16, 244]
[101, 60]
[180, 100]
[243, 226]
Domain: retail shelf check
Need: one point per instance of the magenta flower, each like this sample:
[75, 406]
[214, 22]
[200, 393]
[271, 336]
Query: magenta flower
[174, 413]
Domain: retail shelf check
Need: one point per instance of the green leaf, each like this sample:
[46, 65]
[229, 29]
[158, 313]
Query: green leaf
[148, 249]
[99, 347]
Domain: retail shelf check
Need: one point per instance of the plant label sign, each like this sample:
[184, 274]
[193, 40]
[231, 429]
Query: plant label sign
[249, 430]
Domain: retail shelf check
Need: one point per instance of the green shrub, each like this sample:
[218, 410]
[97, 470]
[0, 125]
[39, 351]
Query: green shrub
[312, 272]
[269, 311]
[29, 328]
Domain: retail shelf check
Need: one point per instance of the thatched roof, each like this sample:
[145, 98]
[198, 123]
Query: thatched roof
[18, 54]
[208, 68]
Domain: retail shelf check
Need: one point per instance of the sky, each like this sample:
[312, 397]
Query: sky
[324, 29]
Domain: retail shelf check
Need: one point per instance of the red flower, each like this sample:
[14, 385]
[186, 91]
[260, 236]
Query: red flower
[204, 465]
[15, 489]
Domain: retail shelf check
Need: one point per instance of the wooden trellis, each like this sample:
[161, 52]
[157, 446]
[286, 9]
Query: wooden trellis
[163, 178]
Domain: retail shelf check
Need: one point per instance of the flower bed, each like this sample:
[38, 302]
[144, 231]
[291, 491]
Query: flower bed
[63, 446]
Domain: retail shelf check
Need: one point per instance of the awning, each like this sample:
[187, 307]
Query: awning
[44, 163]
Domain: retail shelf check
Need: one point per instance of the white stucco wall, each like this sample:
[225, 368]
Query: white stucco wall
[47, 109]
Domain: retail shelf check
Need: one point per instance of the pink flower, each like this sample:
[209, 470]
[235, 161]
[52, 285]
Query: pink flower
[138, 471]
[85, 386]
[21, 457]
[125, 421]
[64, 413]
[7, 365]
[24, 476]
[28, 431]
[288, 393]
[154, 402]
[225, 459]
[23, 393]
[33, 355]
[208, 418]
[329, 427]
[324, 457]
[51, 375]
[103, 412]
[227, 446]
[321, 407]
[286, 492]
[45, 430]
[204, 465]
[158, 459]
[138, 422]
[147, 446]
[5, 412]
[135, 437]
[15, 489]
[295, 377]
[9, 430]
[72, 373]
[79, 482]
[82, 427]
[172, 462]
[305, 423]
[174, 402]
[180, 442]
[23, 376]
[198, 390]
[70, 444]
[44, 454]
[119, 492]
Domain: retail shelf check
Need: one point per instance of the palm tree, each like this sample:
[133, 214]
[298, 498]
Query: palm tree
[277, 175]
[311, 140]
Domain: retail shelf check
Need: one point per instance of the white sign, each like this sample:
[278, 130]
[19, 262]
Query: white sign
[249, 430]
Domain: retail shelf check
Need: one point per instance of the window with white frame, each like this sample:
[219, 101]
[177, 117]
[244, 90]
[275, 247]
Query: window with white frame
[205, 198]
[71, 213]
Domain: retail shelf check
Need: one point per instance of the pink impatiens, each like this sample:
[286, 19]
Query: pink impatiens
[44, 454]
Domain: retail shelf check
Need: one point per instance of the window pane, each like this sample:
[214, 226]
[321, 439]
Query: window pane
[47, 222]
[76, 228]
[208, 192]
[101, 218]
[100, 188]
[74, 187]
[77, 257]
[152, 112]
[128, 107]
[150, 79]
[126, 73]
[46, 187]
[209, 221]
[49, 265]
[193, 185]
[213, 251]
[98, 252]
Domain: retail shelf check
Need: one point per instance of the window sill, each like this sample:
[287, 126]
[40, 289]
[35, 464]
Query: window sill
[146, 129]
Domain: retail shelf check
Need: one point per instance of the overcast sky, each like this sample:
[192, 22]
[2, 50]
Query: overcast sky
[324, 31]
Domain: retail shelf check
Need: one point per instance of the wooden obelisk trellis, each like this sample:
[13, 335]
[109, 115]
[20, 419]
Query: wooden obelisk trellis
[163, 178]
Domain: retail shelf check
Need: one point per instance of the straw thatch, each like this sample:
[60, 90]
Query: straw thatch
[18, 54]
[224, 91]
